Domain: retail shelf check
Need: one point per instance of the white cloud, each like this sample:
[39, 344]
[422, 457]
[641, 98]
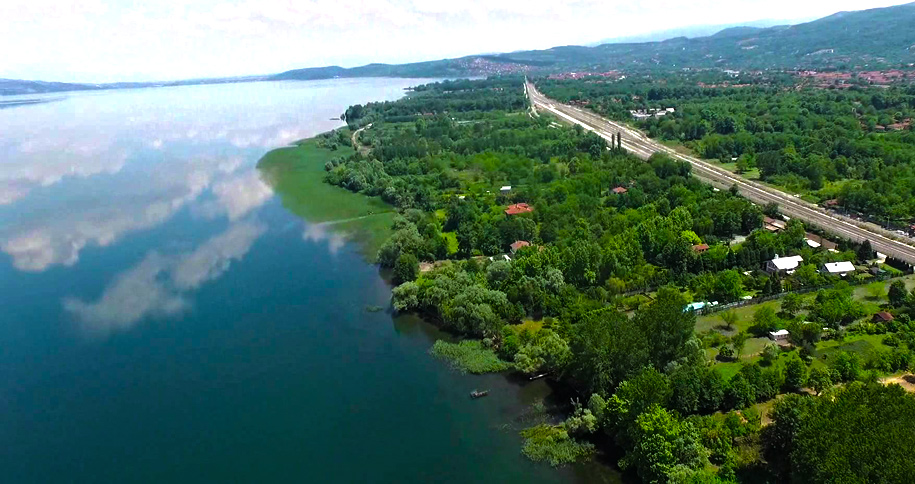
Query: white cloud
[120, 40]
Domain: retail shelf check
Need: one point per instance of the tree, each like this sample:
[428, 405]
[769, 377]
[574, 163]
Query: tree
[406, 269]
[863, 433]
[865, 251]
[726, 353]
[897, 293]
[729, 317]
[739, 393]
[847, 366]
[792, 303]
[739, 341]
[770, 354]
[795, 372]
[661, 443]
[819, 380]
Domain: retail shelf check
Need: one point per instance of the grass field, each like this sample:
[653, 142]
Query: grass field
[863, 345]
[296, 173]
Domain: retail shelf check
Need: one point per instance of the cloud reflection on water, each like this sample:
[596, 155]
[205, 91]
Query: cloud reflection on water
[158, 285]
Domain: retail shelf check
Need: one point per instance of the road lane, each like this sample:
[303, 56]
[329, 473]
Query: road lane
[643, 147]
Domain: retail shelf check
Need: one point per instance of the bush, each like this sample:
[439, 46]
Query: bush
[549, 443]
[468, 356]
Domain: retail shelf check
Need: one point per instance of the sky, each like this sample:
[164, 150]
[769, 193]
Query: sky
[128, 40]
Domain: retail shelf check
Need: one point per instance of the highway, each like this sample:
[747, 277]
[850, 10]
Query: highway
[643, 147]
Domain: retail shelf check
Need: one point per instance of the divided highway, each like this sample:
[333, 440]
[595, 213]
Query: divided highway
[643, 147]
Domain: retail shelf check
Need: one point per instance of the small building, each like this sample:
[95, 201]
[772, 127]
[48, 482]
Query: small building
[700, 248]
[505, 190]
[839, 268]
[883, 317]
[696, 306]
[815, 241]
[780, 335]
[773, 225]
[620, 190]
[831, 203]
[519, 244]
[785, 265]
[518, 208]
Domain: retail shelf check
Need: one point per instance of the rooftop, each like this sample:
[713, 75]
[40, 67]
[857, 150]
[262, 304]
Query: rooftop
[518, 208]
[518, 244]
[839, 267]
[787, 263]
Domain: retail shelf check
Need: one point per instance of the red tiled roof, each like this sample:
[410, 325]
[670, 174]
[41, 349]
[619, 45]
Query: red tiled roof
[518, 244]
[620, 190]
[518, 208]
[700, 247]
[884, 316]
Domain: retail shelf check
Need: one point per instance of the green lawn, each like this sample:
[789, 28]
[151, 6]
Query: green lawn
[863, 344]
[296, 174]
[744, 321]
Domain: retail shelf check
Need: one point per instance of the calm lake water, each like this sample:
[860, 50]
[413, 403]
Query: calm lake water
[164, 319]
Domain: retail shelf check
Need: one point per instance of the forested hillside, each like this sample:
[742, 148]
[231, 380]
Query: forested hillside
[554, 255]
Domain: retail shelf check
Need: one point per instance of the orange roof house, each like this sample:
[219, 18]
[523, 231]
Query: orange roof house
[518, 208]
[620, 190]
[700, 248]
[519, 244]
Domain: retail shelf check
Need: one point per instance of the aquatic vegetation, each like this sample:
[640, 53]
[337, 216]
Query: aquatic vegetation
[469, 356]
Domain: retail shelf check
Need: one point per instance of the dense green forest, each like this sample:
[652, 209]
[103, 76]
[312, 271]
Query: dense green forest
[553, 254]
[853, 144]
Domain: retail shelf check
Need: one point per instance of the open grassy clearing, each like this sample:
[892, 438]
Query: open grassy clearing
[296, 174]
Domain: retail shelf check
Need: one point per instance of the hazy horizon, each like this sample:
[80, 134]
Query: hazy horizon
[110, 41]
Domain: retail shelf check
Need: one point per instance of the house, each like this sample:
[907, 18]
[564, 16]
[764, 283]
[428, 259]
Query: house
[773, 225]
[883, 317]
[815, 241]
[505, 190]
[838, 268]
[785, 265]
[780, 335]
[700, 248]
[518, 208]
[620, 190]
[519, 244]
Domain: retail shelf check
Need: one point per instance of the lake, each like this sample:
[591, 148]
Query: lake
[165, 319]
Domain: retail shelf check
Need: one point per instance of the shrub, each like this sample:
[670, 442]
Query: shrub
[549, 443]
[468, 356]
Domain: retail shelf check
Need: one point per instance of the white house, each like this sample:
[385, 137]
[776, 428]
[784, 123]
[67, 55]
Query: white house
[505, 190]
[839, 268]
[780, 335]
[784, 264]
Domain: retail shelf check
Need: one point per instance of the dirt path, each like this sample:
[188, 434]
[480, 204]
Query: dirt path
[356, 145]
[905, 381]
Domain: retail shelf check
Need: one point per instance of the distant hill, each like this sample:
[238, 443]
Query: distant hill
[693, 31]
[10, 87]
[846, 39]
[875, 37]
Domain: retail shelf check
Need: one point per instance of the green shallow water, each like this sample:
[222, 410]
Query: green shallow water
[166, 319]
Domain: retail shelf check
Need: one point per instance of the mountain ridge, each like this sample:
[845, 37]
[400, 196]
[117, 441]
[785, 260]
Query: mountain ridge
[844, 40]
